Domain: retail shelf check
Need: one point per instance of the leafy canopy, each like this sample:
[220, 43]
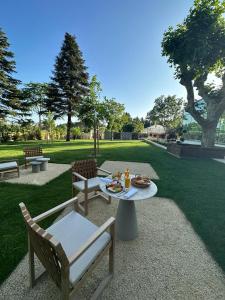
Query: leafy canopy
[196, 46]
[167, 111]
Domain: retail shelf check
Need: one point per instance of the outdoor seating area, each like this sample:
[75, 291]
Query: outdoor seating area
[153, 249]
[167, 258]
[112, 150]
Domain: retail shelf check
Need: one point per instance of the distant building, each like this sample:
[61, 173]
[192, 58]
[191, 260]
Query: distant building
[156, 131]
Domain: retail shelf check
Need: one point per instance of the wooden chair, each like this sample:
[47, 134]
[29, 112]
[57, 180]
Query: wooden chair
[31, 154]
[70, 248]
[9, 166]
[85, 180]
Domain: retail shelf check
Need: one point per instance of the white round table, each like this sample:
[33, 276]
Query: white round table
[126, 220]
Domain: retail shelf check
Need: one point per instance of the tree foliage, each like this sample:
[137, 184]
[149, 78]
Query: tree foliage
[114, 114]
[11, 101]
[195, 48]
[92, 109]
[35, 94]
[69, 82]
[167, 111]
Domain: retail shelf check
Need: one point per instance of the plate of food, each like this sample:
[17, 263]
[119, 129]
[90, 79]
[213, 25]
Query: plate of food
[114, 187]
[141, 181]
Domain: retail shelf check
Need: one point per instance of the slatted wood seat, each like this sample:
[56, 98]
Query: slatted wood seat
[85, 180]
[70, 248]
[31, 154]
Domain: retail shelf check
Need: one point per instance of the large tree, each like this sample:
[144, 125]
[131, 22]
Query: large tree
[11, 101]
[167, 111]
[36, 95]
[195, 48]
[69, 82]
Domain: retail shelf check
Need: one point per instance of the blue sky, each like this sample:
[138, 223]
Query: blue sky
[120, 41]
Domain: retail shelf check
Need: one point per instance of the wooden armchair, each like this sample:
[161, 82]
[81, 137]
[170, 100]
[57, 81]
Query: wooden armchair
[31, 154]
[85, 180]
[70, 248]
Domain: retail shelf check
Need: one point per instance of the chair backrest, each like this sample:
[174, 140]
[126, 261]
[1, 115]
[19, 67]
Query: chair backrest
[48, 250]
[34, 151]
[86, 168]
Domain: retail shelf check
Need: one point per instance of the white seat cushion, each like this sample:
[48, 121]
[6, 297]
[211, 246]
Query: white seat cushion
[72, 231]
[33, 157]
[92, 184]
[8, 165]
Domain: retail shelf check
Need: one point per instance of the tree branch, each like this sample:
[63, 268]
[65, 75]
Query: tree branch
[190, 108]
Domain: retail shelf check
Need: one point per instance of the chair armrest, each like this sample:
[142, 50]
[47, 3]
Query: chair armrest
[91, 240]
[53, 210]
[105, 171]
[79, 176]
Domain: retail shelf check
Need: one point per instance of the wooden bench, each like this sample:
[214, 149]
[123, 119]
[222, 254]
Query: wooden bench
[30, 154]
[9, 166]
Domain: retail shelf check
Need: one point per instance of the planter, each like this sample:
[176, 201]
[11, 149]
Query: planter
[196, 151]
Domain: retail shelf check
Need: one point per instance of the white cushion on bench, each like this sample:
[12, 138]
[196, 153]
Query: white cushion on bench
[72, 231]
[8, 165]
[93, 183]
[33, 157]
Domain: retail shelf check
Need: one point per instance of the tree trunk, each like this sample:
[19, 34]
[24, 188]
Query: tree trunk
[39, 120]
[68, 126]
[209, 135]
[95, 144]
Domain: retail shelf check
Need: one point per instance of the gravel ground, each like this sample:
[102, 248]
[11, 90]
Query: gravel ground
[41, 178]
[166, 261]
[134, 167]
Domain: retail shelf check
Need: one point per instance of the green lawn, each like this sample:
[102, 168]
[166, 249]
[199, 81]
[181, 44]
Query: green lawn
[197, 186]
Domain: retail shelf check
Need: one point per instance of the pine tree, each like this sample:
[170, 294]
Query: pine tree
[69, 82]
[11, 102]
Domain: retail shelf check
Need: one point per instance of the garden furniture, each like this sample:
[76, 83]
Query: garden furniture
[31, 154]
[85, 180]
[126, 220]
[70, 248]
[44, 163]
[9, 166]
[35, 166]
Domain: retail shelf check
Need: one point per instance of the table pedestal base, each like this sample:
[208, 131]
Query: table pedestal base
[126, 221]
[44, 166]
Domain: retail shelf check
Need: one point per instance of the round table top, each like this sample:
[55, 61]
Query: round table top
[43, 159]
[34, 162]
[142, 193]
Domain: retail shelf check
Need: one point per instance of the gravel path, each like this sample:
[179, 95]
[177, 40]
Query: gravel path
[134, 167]
[166, 261]
[41, 178]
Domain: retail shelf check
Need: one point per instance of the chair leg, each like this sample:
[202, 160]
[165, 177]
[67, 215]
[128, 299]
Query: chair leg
[110, 200]
[112, 249]
[65, 292]
[31, 264]
[86, 203]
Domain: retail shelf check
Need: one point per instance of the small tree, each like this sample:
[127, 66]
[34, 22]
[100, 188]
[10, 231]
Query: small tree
[196, 49]
[114, 114]
[69, 82]
[76, 131]
[138, 125]
[36, 95]
[92, 110]
[49, 124]
[167, 111]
